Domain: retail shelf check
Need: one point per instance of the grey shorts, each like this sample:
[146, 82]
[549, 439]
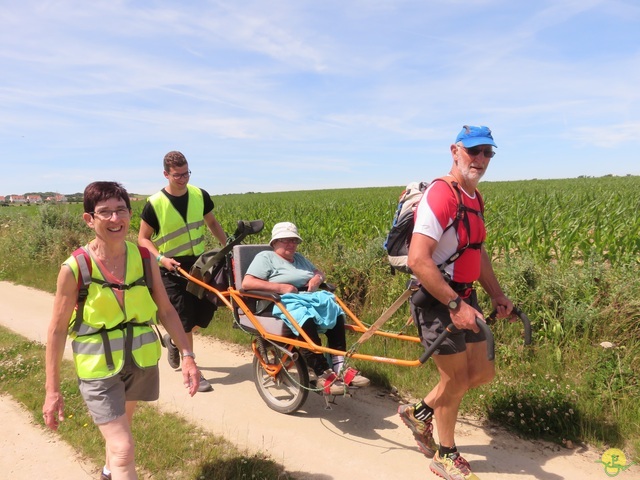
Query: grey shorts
[431, 317]
[105, 398]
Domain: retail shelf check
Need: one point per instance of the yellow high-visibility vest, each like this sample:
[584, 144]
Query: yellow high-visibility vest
[108, 328]
[176, 237]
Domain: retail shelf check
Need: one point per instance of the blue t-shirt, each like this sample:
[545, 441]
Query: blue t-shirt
[270, 266]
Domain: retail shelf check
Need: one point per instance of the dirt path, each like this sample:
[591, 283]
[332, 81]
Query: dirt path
[360, 437]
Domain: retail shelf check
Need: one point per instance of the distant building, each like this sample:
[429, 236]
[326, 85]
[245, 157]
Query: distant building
[17, 199]
[57, 198]
[34, 199]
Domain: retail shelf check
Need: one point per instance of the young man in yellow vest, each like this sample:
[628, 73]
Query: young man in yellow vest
[172, 227]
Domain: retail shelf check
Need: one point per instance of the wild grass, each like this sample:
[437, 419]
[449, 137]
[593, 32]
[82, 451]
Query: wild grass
[567, 252]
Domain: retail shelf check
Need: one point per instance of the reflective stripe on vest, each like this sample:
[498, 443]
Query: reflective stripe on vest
[175, 236]
[117, 343]
[99, 344]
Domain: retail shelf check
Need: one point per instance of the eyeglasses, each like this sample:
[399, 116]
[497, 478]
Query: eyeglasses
[289, 240]
[475, 151]
[107, 214]
[178, 176]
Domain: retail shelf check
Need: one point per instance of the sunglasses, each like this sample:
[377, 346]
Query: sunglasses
[475, 151]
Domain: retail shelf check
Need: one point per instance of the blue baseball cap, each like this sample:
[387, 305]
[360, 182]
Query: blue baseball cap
[471, 136]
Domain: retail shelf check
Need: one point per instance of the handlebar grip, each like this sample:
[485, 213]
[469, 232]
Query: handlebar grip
[451, 328]
[526, 323]
[489, 336]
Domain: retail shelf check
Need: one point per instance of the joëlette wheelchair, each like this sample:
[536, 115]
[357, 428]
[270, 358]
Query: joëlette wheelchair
[280, 373]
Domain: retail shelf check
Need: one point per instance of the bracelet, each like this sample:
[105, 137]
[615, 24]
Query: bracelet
[159, 258]
[189, 354]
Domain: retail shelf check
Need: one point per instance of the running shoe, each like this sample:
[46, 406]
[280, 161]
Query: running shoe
[204, 385]
[173, 353]
[422, 431]
[452, 467]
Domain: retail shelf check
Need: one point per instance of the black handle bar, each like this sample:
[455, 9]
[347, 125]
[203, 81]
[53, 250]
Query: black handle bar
[451, 328]
[522, 316]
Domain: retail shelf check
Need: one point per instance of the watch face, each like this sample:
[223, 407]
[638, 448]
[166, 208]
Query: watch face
[453, 304]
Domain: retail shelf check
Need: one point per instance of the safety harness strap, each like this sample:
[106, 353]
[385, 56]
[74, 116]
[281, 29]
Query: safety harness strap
[461, 215]
[85, 279]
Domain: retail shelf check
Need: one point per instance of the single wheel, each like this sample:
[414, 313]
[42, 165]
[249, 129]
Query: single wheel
[286, 388]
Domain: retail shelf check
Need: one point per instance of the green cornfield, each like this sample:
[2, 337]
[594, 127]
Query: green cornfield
[549, 220]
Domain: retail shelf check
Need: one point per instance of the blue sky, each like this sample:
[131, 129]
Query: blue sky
[296, 95]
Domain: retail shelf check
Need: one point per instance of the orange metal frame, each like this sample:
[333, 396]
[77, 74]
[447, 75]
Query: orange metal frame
[233, 296]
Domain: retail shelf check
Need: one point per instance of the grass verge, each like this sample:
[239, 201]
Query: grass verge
[192, 452]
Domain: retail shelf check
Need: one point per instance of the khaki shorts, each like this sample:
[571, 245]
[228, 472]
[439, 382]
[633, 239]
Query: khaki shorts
[105, 398]
[431, 317]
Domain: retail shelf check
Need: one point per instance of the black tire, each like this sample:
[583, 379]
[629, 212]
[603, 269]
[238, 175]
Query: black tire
[288, 390]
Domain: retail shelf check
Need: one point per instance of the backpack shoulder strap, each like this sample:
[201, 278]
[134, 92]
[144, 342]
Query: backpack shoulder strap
[146, 267]
[453, 186]
[480, 200]
[85, 268]
[461, 215]
[84, 280]
[462, 208]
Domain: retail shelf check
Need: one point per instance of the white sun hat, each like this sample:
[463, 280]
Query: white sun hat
[284, 230]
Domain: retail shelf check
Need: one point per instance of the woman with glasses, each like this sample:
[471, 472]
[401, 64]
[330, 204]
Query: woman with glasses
[284, 270]
[115, 347]
[173, 226]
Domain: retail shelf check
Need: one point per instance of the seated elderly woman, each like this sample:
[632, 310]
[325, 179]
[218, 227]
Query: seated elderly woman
[283, 270]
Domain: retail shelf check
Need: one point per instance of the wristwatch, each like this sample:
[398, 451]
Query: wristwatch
[189, 354]
[455, 303]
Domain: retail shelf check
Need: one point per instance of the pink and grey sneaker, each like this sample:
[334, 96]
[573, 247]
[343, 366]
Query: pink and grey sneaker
[422, 431]
[352, 378]
[452, 467]
[330, 384]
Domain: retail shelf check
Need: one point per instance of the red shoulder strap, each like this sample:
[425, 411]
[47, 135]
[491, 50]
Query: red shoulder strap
[84, 267]
[453, 185]
[451, 181]
[146, 266]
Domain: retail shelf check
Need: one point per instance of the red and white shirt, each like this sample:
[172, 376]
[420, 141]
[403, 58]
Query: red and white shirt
[436, 211]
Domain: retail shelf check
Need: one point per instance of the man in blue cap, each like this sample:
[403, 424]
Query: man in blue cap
[447, 256]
